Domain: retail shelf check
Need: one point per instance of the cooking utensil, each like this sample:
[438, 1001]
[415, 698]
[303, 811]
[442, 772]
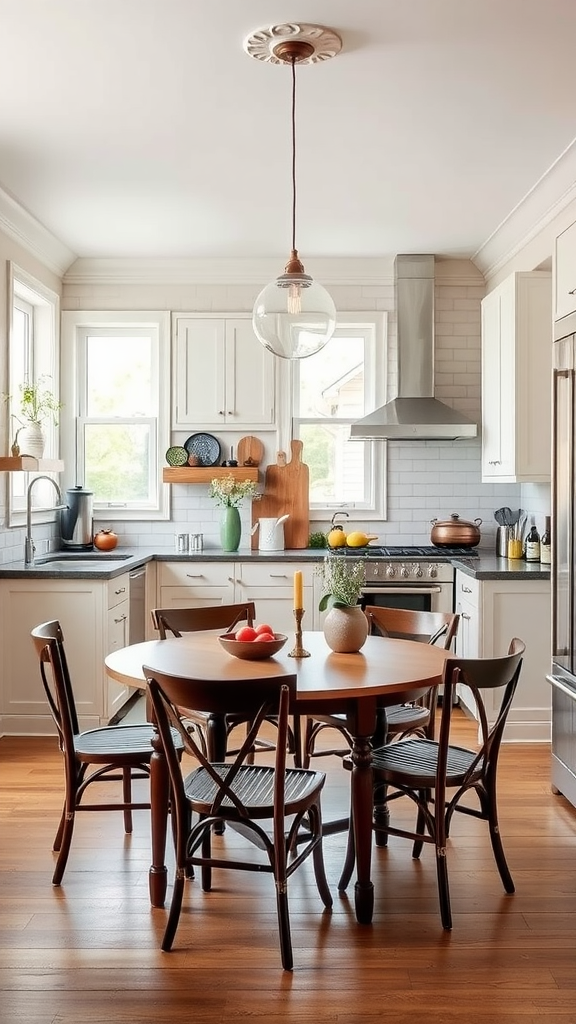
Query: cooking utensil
[286, 486]
[205, 446]
[455, 532]
[508, 516]
[250, 451]
[500, 516]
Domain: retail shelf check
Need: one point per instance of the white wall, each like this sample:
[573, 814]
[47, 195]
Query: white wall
[426, 480]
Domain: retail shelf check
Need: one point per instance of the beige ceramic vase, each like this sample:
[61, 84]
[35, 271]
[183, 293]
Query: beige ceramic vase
[345, 629]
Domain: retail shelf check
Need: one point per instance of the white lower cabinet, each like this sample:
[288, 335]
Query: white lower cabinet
[492, 613]
[269, 584]
[94, 616]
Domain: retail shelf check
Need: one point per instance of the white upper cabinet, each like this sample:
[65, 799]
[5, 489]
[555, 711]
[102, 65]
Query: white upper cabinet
[516, 369]
[565, 273]
[223, 376]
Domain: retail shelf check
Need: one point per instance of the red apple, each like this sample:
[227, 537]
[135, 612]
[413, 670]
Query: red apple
[265, 636]
[263, 628]
[245, 633]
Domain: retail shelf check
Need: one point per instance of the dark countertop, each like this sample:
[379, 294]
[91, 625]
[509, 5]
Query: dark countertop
[489, 567]
[95, 565]
[108, 565]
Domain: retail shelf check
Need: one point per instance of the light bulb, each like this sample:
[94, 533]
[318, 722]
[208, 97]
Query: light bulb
[294, 301]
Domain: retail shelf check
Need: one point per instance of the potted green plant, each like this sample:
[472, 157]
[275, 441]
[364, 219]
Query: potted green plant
[343, 580]
[36, 404]
[230, 493]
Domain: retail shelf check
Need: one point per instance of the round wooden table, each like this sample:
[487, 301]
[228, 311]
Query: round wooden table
[384, 672]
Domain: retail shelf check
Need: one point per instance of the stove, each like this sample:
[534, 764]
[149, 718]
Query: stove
[417, 577]
[411, 552]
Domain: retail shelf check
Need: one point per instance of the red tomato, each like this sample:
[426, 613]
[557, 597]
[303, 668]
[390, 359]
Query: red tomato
[105, 540]
[245, 633]
[264, 628]
[264, 636]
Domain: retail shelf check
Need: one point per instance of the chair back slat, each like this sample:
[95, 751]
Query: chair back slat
[410, 624]
[48, 640]
[190, 620]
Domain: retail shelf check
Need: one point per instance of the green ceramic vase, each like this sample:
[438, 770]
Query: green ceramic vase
[230, 529]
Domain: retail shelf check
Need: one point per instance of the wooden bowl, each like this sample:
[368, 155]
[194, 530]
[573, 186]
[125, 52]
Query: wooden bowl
[253, 650]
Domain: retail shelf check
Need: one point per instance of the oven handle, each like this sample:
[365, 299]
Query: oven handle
[391, 589]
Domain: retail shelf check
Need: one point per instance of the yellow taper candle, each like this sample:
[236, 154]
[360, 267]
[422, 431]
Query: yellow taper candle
[298, 590]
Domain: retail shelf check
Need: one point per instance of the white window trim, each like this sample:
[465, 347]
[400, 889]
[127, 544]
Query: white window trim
[74, 321]
[375, 370]
[45, 360]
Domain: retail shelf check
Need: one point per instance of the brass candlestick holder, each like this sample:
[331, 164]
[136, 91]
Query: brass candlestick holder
[298, 651]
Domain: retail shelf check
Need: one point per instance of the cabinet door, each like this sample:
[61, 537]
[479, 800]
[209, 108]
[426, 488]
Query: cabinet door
[516, 368]
[117, 637]
[468, 636]
[195, 584]
[498, 369]
[199, 396]
[79, 606]
[271, 587]
[250, 393]
[222, 375]
[565, 273]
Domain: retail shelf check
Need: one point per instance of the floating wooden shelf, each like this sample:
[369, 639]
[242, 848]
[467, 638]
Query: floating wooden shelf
[204, 474]
[26, 464]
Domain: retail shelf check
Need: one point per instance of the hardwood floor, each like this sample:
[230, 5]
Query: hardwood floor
[88, 952]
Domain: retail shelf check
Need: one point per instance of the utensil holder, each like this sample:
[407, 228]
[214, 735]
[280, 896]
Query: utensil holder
[504, 534]
[514, 548]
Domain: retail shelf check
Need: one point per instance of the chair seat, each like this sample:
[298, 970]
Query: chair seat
[254, 786]
[418, 759]
[110, 741]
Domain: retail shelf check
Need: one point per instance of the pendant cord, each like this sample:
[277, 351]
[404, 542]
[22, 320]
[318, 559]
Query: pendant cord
[293, 153]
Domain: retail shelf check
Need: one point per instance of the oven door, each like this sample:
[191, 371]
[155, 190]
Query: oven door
[433, 597]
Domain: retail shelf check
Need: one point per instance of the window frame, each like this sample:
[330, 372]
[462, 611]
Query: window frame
[26, 292]
[76, 325]
[373, 327]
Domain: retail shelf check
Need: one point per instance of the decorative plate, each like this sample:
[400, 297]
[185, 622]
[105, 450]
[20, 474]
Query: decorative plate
[176, 456]
[206, 447]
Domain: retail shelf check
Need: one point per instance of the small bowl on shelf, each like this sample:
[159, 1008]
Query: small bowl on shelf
[253, 650]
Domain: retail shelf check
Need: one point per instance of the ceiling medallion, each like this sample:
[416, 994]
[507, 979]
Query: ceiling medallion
[272, 44]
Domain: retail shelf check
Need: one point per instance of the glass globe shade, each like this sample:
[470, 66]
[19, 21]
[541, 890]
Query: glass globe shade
[294, 316]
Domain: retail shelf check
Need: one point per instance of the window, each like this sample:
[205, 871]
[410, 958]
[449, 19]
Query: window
[331, 389]
[115, 368]
[33, 354]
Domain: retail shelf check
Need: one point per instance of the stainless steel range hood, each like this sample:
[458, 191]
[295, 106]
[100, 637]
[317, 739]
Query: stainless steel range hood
[415, 414]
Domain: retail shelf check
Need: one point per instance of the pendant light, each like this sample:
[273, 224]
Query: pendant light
[294, 316]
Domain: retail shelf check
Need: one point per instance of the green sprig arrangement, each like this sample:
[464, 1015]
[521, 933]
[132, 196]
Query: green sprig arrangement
[342, 581]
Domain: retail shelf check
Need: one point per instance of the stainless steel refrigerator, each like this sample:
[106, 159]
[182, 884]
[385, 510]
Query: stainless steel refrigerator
[563, 673]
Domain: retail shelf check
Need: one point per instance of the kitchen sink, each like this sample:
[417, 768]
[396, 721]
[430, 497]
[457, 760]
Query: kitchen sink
[60, 560]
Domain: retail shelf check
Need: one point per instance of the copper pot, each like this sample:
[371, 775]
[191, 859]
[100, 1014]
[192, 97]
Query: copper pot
[455, 532]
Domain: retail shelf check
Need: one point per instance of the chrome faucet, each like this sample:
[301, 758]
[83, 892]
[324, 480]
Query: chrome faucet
[29, 546]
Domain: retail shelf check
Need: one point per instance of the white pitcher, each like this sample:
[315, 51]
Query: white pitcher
[271, 537]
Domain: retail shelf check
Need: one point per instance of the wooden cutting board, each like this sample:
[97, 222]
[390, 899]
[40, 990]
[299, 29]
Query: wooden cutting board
[250, 451]
[286, 488]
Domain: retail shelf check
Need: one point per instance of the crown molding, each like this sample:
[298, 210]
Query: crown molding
[23, 228]
[551, 194]
[257, 272]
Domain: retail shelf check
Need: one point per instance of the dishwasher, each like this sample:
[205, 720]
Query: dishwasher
[137, 619]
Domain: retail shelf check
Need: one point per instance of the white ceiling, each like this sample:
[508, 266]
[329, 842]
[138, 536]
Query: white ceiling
[140, 128]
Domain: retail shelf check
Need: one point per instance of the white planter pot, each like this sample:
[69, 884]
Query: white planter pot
[345, 629]
[31, 441]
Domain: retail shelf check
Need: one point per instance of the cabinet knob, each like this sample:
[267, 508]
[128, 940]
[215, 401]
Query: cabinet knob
[220, 412]
[463, 615]
[195, 575]
[230, 412]
[466, 590]
[121, 590]
[494, 462]
[121, 619]
[572, 291]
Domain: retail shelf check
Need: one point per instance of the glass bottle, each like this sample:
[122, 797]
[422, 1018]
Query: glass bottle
[546, 544]
[533, 545]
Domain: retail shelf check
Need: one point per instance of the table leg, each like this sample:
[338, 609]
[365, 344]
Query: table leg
[216, 738]
[361, 796]
[159, 796]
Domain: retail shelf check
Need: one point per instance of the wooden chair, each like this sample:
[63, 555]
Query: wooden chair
[224, 617]
[401, 719]
[115, 753]
[240, 795]
[425, 770]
